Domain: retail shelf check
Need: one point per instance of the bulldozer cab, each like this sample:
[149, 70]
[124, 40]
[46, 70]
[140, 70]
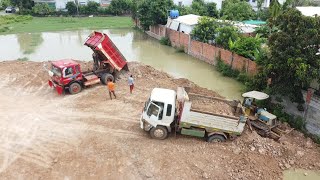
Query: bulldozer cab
[249, 101]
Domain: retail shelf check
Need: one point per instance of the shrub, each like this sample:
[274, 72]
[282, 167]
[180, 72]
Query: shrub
[226, 70]
[165, 41]
[246, 46]
[120, 7]
[71, 7]
[205, 30]
[41, 9]
[226, 33]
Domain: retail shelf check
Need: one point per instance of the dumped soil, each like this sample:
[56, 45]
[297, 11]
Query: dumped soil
[89, 136]
[210, 105]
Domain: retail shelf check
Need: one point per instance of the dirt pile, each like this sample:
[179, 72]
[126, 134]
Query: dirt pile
[211, 106]
[88, 136]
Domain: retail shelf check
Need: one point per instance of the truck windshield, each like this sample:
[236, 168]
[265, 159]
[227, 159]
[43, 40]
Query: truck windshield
[56, 71]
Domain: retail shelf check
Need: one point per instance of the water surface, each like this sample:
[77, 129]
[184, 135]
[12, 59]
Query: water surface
[134, 45]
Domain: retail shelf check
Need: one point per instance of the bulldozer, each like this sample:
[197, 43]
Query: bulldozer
[259, 119]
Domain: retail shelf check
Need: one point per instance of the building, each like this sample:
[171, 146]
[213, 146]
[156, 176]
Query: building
[186, 23]
[253, 3]
[61, 4]
[189, 2]
[311, 11]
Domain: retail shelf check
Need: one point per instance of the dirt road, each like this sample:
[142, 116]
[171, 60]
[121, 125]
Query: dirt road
[88, 136]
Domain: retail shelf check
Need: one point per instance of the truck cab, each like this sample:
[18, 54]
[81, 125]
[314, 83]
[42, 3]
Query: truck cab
[64, 73]
[159, 112]
[187, 113]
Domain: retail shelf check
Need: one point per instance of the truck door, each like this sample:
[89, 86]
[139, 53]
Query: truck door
[153, 113]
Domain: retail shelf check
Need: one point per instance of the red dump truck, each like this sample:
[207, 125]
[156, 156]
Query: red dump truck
[66, 74]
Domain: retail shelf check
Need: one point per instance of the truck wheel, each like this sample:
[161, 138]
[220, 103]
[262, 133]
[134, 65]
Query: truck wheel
[159, 132]
[216, 138]
[75, 88]
[105, 77]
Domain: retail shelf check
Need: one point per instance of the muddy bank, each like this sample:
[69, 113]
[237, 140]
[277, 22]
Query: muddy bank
[46, 136]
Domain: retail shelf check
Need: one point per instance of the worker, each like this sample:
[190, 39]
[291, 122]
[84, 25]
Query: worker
[131, 83]
[110, 85]
[248, 102]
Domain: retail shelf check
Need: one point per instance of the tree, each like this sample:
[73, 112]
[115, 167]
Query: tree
[184, 10]
[152, 12]
[5, 3]
[247, 46]
[119, 7]
[294, 3]
[205, 30]
[41, 9]
[293, 62]
[212, 10]
[71, 7]
[237, 10]
[23, 4]
[275, 8]
[199, 7]
[226, 33]
[92, 7]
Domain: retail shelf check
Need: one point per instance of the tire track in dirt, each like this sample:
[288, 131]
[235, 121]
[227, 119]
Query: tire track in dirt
[35, 124]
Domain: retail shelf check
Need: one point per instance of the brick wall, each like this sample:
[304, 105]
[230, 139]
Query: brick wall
[204, 51]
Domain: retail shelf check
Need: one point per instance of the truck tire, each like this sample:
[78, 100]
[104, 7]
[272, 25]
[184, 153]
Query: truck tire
[104, 78]
[75, 88]
[159, 132]
[216, 138]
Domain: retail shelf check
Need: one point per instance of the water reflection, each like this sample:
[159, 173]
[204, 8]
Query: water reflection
[134, 45]
[29, 42]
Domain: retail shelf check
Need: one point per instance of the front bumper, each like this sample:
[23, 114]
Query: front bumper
[145, 125]
[58, 87]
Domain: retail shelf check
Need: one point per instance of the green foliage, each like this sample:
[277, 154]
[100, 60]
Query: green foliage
[237, 10]
[24, 5]
[91, 7]
[165, 41]
[212, 10]
[184, 10]
[13, 19]
[265, 31]
[247, 46]
[41, 9]
[134, 9]
[226, 33]
[120, 7]
[293, 61]
[71, 7]
[226, 70]
[275, 8]
[205, 30]
[294, 3]
[199, 7]
[5, 3]
[263, 14]
[152, 12]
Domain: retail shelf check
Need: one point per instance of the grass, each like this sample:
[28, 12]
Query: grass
[45, 24]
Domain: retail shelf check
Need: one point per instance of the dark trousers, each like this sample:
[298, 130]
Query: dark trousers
[113, 94]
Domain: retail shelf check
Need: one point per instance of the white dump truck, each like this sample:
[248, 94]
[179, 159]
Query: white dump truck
[211, 118]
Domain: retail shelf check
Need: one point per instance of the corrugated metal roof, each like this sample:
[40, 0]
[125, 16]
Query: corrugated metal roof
[309, 10]
[189, 19]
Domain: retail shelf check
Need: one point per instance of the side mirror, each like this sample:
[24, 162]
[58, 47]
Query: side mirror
[50, 73]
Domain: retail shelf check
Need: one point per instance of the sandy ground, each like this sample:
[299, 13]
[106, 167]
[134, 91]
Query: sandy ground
[88, 136]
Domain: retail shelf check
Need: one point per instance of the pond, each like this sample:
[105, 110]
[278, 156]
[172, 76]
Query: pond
[135, 46]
